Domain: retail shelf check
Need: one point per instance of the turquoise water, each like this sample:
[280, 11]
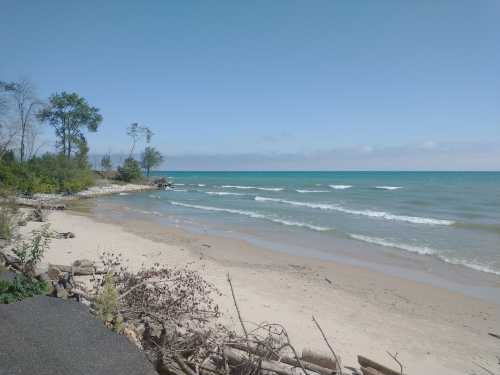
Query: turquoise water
[453, 217]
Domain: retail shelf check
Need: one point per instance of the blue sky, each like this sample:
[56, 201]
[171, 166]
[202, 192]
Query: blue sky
[274, 84]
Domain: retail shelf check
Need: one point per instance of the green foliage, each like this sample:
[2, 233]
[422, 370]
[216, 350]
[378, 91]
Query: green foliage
[150, 159]
[107, 305]
[30, 253]
[20, 288]
[49, 173]
[130, 171]
[68, 114]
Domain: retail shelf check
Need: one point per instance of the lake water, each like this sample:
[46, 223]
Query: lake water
[451, 217]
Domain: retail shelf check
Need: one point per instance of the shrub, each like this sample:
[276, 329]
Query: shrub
[30, 253]
[107, 305]
[50, 173]
[130, 171]
[20, 288]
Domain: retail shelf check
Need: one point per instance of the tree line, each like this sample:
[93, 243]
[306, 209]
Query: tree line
[22, 115]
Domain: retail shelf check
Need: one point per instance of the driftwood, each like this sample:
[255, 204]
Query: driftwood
[365, 362]
[494, 335]
[319, 359]
[370, 371]
[262, 352]
[237, 357]
[23, 202]
[76, 270]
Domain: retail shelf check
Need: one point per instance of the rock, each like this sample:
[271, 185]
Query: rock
[83, 263]
[40, 269]
[61, 292]
[53, 272]
[39, 214]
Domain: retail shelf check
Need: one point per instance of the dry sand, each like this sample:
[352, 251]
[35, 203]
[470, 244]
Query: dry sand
[435, 331]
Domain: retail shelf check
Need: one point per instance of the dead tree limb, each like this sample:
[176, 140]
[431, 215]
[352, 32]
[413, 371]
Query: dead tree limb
[395, 357]
[237, 308]
[237, 357]
[365, 362]
[339, 366]
[184, 367]
[494, 335]
[262, 352]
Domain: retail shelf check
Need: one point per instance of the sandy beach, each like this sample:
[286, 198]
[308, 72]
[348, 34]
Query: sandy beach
[363, 312]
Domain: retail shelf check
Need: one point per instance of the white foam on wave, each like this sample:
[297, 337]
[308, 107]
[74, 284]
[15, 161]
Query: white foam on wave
[388, 187]
[179, 190]
[368, 213]
[425, 250]
[305, 191]
[254, 215]
[123, 194]
[253, 187]
[222, 193]
[201, 185]
[340, 187]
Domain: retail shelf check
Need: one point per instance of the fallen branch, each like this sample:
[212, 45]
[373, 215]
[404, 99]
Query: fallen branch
[237, 308]
[494, 335]
[365, 362]
[395, 357]
[237, 357]
[339, 366]
[262, 352]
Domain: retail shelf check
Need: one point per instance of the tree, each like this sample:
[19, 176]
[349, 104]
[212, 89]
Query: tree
[69, 114]
[150, 159]
[26, 104]
[8, 132]
[106, 163]
[138, 132]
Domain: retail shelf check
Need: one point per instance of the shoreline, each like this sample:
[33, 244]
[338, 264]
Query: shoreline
[419, 268]
[362, 311]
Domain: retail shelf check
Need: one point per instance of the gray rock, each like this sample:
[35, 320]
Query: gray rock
[83, 263]
[50, 336]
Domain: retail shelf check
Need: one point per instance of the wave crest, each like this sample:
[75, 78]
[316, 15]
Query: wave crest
[369, 213]
[254, 215]
[304, 191]
[388, 187]
[253, 187]
[340, 187]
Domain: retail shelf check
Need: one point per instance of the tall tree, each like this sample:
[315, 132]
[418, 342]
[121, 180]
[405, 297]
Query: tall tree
[151, 158]
[69, 114]
[8, 132]
[137, 133]
[26, 104]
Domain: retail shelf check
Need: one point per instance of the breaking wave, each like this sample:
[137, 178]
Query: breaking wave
[368, 213]
[254, 215]
[424, 250]
[340, 187]
[388, 187]
[222, 193]
[304, 191]
[253, 187]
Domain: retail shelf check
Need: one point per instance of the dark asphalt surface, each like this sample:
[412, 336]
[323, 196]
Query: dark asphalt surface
[49, 336]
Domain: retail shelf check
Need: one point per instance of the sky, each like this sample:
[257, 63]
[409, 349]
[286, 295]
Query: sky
[282, 84]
